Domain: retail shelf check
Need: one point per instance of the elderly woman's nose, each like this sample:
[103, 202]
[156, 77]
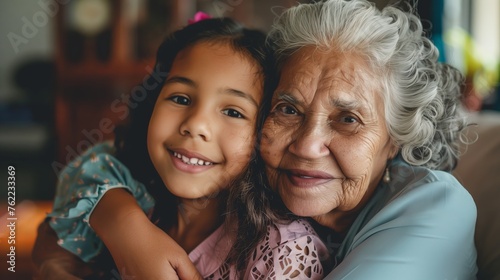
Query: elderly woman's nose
[311, 141]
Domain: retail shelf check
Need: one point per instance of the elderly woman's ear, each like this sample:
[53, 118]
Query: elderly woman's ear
[393, 151]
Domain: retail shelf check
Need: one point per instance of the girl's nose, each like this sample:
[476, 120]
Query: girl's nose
[197, 124]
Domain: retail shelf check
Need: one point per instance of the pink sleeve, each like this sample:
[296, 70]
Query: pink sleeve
[288, 251]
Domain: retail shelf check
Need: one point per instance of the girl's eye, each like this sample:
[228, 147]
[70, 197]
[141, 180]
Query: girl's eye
[232, 113]
[287, 109]
[181, 100]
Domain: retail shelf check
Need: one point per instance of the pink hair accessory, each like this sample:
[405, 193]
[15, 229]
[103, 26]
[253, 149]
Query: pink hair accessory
[199, 16]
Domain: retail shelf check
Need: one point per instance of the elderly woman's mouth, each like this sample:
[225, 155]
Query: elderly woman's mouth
[307, 178]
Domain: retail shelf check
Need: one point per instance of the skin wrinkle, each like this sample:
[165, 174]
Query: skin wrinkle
[318, 138]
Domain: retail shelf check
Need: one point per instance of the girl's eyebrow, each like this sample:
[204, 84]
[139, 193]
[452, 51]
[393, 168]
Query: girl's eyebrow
[239, 93]
[181, 80]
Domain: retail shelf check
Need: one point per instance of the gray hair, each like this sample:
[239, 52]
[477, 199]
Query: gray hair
[421, 96]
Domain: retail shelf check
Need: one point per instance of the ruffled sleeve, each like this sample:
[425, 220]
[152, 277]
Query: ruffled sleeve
[81, 185]
[289, 251]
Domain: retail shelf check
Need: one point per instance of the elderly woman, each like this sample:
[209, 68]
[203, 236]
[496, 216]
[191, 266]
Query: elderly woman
[364, 127]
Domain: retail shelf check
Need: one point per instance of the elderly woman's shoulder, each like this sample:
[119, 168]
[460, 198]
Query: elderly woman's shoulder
[420, 200]
[406, 175]
[417, 219]
[419, 184]
[419, 216]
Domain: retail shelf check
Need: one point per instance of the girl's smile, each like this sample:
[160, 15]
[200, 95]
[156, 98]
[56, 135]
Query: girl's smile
[202, 131]
[190, 162]
[195, 160]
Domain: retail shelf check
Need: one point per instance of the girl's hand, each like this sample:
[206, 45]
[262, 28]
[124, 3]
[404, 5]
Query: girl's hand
[139, 248]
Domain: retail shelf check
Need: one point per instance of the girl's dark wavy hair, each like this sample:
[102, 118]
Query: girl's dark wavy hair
[250, 200]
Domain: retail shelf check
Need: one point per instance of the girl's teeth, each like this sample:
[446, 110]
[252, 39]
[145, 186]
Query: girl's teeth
[192, 161]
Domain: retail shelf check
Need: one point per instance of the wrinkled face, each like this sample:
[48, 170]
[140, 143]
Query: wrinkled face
[325, 142]
[202, 130]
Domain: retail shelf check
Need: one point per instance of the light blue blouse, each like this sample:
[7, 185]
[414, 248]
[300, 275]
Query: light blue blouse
[419, 226]
[81, 184]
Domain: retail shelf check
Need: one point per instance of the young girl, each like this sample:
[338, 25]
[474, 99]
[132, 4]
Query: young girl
[191, 150]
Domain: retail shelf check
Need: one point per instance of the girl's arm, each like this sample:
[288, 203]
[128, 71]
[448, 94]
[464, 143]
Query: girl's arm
[52, 261]
[84, 185]
[139, 248]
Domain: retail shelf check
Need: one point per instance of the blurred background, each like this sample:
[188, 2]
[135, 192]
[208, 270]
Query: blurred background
[67, 68]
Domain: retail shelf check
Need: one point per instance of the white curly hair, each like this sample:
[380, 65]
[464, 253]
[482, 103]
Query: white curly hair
[422, 97]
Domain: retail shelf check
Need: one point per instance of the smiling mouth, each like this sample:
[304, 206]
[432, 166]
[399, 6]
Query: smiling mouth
[191, 161]
[308, 174]
[303, 178]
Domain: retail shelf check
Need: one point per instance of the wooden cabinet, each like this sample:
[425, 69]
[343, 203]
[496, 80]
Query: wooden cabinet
[99, 64]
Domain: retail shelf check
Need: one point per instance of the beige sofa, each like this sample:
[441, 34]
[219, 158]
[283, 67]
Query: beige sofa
[479, 171]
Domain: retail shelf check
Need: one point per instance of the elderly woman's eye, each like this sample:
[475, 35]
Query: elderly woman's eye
[348, 119]
[287, 109]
